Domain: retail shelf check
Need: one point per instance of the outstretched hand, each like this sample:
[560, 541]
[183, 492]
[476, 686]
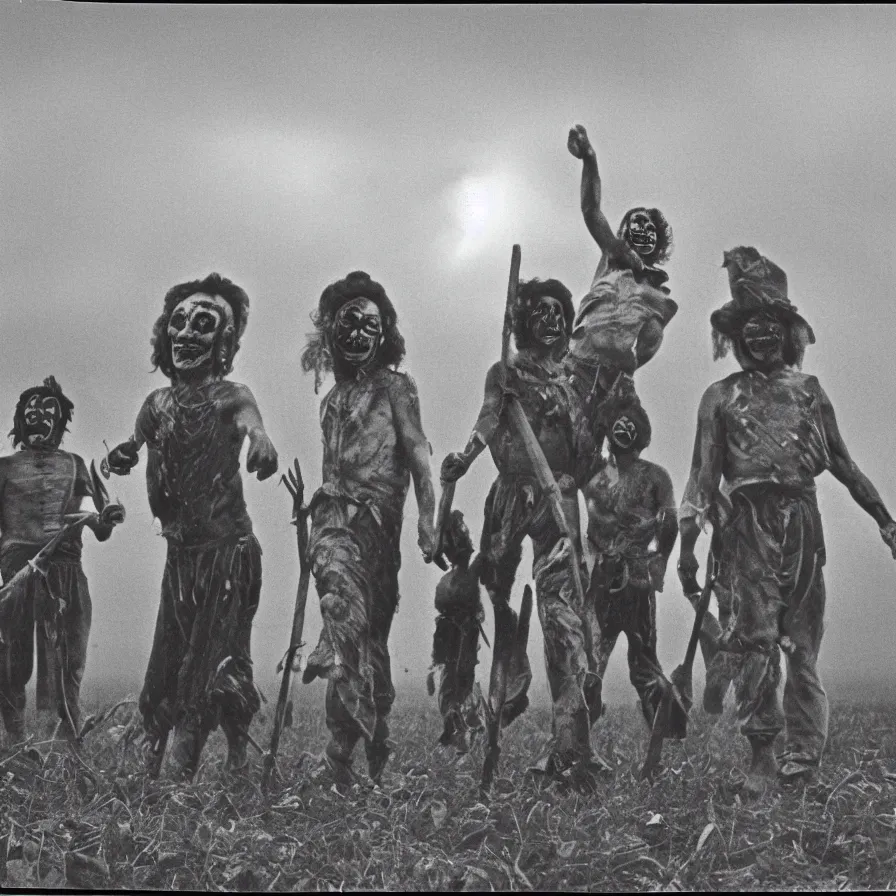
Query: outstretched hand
[111, 515]
[262, 456]
[888, 534]
[578, 143]
[121, 459]
[453, 467]
[426, 539]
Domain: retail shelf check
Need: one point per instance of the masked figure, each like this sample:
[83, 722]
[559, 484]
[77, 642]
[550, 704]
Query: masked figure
[373, 445]
[455, 644]
[40, 486]
[517, 507]
[620, 323]
[770, 430]
[200, 669]
[632, 528]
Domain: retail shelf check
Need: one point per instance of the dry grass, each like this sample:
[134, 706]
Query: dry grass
[98, 823]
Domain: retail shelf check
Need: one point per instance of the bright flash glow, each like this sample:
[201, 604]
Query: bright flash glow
[480, 208]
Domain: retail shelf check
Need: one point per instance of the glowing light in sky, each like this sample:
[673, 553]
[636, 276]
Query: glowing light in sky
[480, 208]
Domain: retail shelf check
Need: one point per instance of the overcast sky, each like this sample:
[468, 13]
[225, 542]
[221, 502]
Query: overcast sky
[285, 146]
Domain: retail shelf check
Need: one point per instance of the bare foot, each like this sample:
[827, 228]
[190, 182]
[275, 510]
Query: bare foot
[763, 769]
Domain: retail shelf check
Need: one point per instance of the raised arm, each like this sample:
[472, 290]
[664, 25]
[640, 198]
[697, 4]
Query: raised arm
[624, 256]
[416, 448]
[457, 463]
[859, 485]
[262, 456]
[703, 483]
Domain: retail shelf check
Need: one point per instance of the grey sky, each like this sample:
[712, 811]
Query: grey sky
[285, 146]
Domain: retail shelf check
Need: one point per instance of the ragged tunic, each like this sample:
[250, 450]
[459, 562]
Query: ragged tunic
[613, 314]
[765, 434]
[626, 513]
[212, 579]
[354, 546]
[37, 489]
[363, 458]
[752, 429]
[193, 471]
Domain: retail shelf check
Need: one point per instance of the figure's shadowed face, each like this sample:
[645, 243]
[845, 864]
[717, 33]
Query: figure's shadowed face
[764, 339]
[43, 422]
[623, 435]
[358, 331]
[192, 329]
[546, 323]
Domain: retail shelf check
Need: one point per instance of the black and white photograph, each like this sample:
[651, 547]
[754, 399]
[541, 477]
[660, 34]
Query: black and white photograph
[449, 447]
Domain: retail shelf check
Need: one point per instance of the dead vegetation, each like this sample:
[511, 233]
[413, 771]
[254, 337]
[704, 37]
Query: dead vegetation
[95, 822]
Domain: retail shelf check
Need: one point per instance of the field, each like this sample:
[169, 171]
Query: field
[96, 822]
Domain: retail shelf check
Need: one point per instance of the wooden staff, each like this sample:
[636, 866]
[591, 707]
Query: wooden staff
[296, 486]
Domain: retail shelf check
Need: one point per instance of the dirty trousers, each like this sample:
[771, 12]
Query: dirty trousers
[57, 609]
[200, 669]
[516, 507]
[355, 558]
[773, 551]
[625, 603]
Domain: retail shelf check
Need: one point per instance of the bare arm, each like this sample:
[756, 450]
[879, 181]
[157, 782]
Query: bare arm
[846, 470]
[262, 456]
[416, 448]
[590, 195]
[456, 464]
[703, 483]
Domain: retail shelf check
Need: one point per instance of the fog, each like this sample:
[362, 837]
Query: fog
[285, 146]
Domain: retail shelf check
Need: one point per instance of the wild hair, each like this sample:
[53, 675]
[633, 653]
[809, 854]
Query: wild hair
[527, 296]
[318, 354]
[212, 285]
[50, 389]
[664, 242]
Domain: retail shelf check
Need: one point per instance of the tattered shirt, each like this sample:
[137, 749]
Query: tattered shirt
[756, 428]
[363, 455]
[613, 314]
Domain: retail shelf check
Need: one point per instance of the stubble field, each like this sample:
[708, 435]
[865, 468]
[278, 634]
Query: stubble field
[96, 822]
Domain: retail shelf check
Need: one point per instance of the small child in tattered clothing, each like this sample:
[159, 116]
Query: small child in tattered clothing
[455, 644]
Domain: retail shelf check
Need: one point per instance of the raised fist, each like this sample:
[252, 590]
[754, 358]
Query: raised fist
[262, 456]
[578, 143]
[112, 515]
[453, 467]
[121, 459]
[888, 534]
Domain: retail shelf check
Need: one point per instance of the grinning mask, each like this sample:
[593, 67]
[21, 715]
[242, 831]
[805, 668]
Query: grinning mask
[193, 330]
[546, 321]
[641, 233]
[764, 338]
[42, 422]
[623, 434]
[358, 331]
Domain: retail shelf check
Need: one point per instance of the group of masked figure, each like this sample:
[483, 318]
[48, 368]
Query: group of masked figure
[764, 434]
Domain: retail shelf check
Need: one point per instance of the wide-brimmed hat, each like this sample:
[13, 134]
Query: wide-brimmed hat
[757, 285]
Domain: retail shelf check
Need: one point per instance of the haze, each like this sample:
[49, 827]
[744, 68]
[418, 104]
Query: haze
[285, 146]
